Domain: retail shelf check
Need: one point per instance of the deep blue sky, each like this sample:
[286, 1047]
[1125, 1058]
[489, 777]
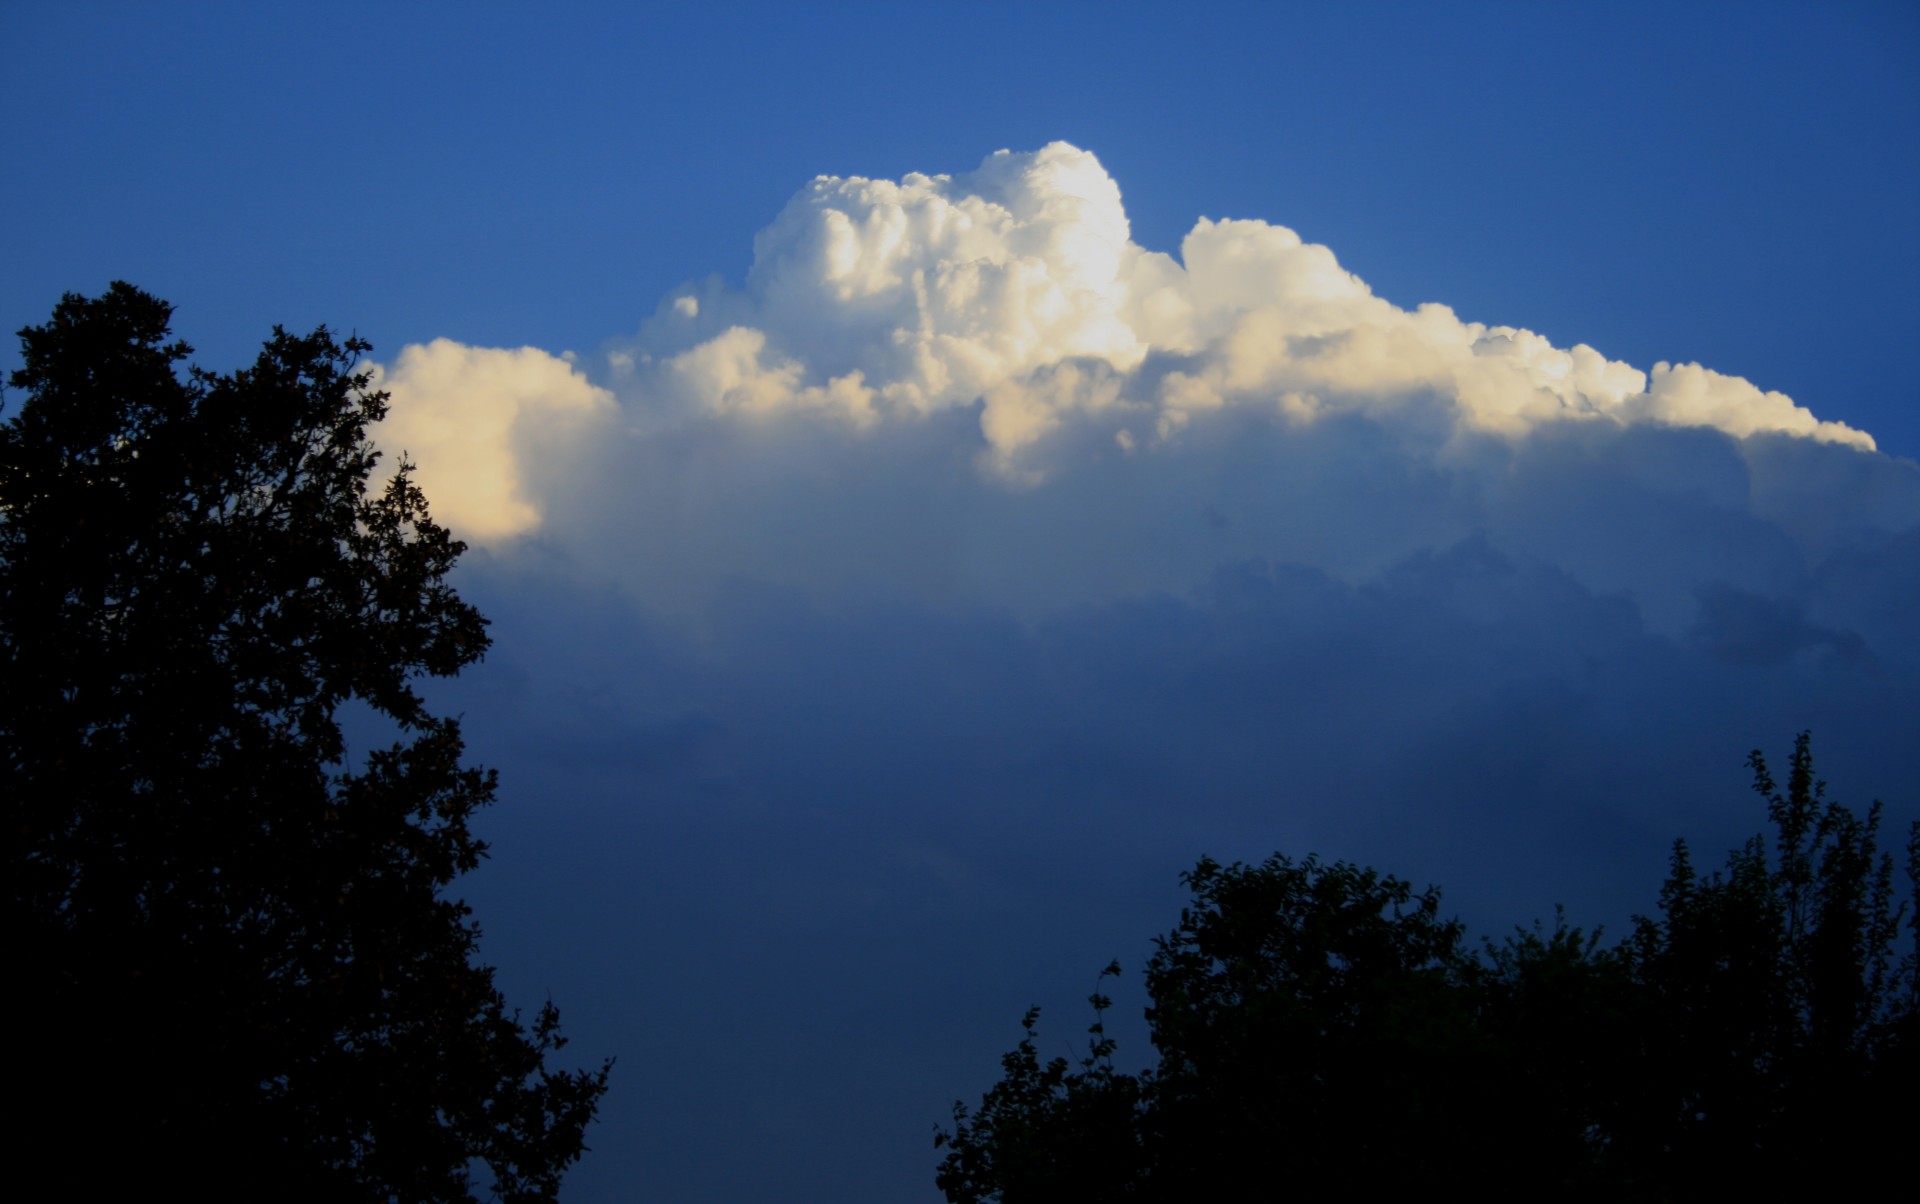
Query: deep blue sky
[796, 834]
[1727, 184]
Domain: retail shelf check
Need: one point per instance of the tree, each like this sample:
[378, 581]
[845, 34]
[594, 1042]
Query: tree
[1324, 1023]
[1777, 1014]
[237, 966]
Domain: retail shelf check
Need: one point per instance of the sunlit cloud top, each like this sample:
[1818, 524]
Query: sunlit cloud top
[1017, 289]
[874, 299]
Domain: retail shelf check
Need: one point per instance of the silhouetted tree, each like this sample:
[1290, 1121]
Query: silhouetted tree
[235, 968]
[1776, 1017]
[1324, 1025]
[1049, 1132]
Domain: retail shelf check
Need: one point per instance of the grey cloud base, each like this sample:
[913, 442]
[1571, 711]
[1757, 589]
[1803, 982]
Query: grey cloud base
[815, 841]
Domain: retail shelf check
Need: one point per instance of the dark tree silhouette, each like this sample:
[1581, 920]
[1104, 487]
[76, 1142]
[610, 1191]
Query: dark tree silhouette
[1324, 1026]
[235, 967]
[1778, 1020]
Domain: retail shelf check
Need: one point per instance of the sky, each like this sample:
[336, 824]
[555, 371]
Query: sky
[935, 473]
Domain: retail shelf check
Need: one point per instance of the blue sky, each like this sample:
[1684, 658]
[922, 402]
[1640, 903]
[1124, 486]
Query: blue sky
[836, 728]
[1663, 182]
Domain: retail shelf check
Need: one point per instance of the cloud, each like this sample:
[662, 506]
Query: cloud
[1001, 323]
[471, 418]
[975, 392]
[876, 298]
[913, 611]
[971, 409]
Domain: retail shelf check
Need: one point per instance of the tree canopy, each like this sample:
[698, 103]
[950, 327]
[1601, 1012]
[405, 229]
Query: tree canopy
[1324, 1025]
[237, 966]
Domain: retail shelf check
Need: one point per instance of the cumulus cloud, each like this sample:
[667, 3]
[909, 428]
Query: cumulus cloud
[941, 590]
[1015, 296]
[471, 418]
[976, 392]
[881, 299]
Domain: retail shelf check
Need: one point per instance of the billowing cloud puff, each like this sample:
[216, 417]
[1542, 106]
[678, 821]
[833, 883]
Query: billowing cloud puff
[875, 298]
[978, 390]
[469, 416]
[1013, 295]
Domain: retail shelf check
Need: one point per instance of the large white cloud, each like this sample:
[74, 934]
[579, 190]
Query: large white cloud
[977, 390]
[871, 299]
[1003, 319]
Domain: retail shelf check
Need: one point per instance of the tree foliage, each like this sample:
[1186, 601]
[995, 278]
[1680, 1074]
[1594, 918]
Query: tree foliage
[237, 966]
[1324, 1023]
